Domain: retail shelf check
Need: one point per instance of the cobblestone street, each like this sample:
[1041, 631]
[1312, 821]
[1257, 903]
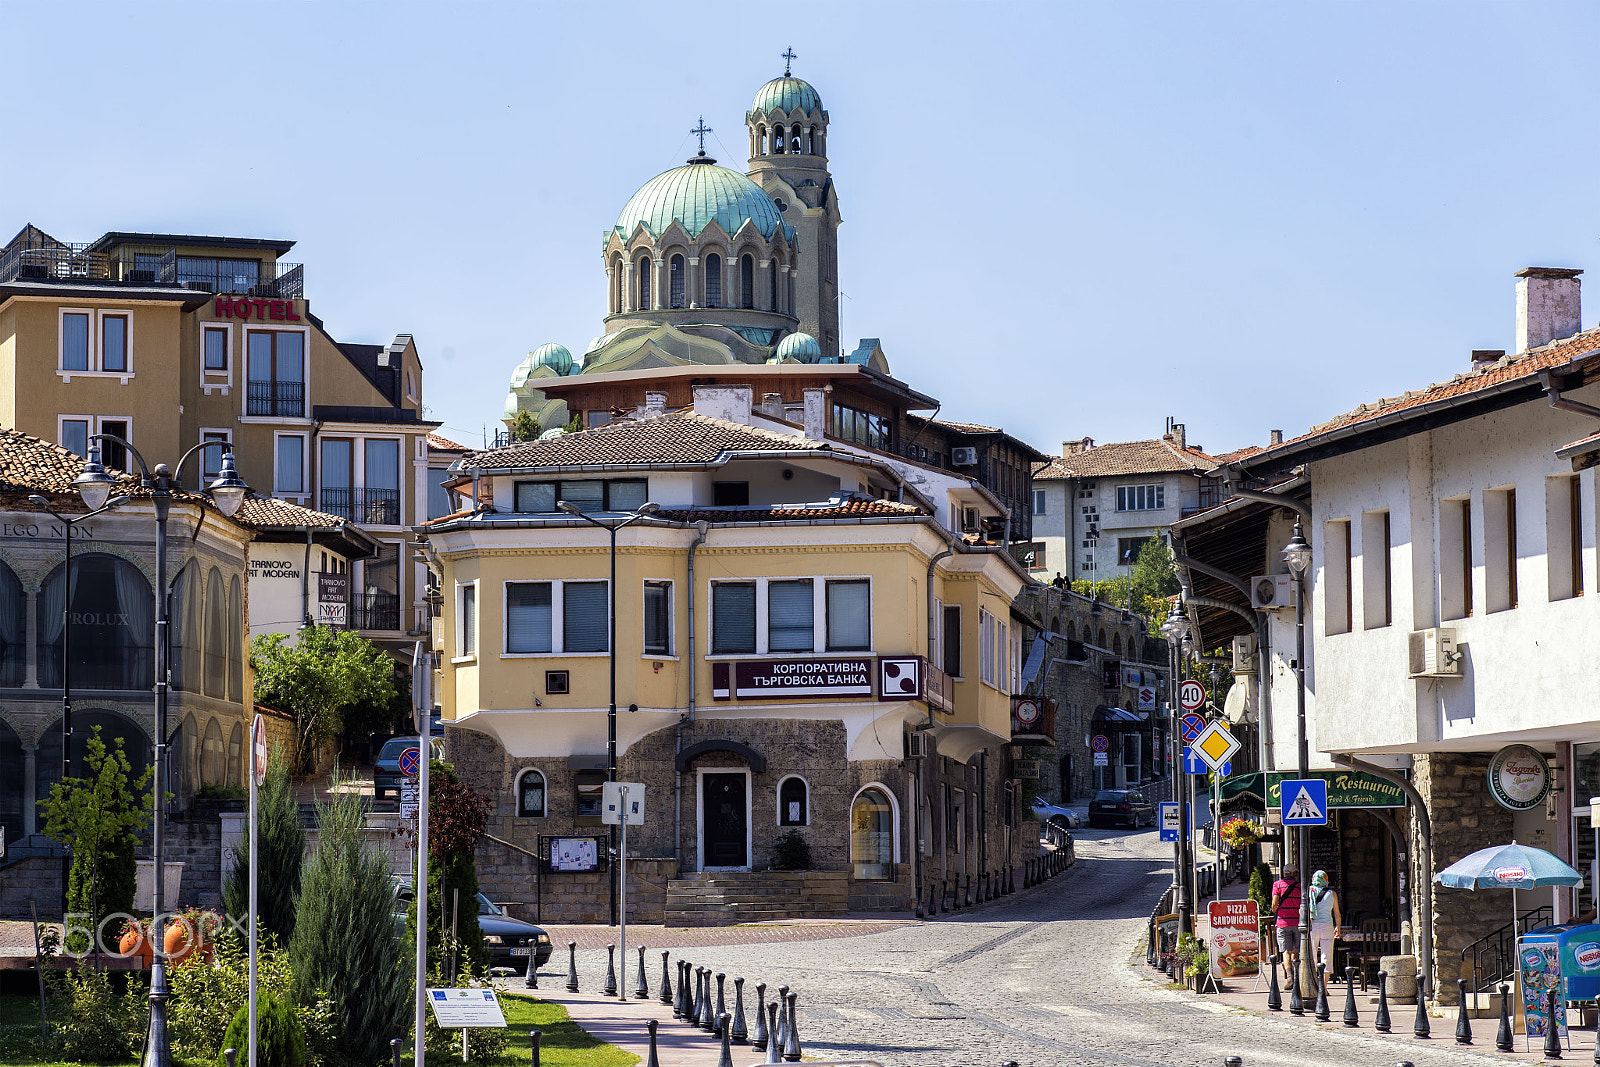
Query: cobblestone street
[1045, 979]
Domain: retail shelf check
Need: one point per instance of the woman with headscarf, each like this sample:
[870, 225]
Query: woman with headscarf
[1325, 920]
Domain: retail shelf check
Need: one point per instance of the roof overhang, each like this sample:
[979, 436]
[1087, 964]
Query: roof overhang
[859, 378]
[351, 542]
[120, 237]
[191, 299]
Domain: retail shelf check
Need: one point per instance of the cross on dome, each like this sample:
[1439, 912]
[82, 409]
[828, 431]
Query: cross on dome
[702, 130]
[788, 58]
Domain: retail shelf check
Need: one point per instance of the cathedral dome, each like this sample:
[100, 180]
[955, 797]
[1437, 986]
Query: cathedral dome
[554, 356]
[695, 195]
[800, 347]
[787, 94]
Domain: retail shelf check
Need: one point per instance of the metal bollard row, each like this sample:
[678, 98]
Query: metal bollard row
[776, 1029]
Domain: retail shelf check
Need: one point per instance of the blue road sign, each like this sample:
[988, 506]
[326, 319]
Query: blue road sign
[411, 761]
[1304, 801]
[1193, 764]
[1169, 820]
[1193, 726]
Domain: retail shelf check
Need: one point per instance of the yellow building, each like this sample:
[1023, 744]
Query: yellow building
[171, 341]
[801, 644]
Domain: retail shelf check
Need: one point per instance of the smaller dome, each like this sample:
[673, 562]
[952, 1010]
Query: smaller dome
[800, 347]
[787, 94]
[554, 356]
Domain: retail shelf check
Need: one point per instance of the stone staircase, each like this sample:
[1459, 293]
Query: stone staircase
[727, 898]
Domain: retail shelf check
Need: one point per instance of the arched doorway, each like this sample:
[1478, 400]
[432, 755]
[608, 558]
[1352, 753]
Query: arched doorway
[47, 760]
[872, 836]
[113, 625]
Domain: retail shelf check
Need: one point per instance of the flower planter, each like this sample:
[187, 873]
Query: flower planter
[134, 943]
[189, 938]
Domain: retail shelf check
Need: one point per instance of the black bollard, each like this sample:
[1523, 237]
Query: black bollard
[726, 1059]
[572, 966]
[1351, 1018]
[933, 908]
[1552, 1028]
[232, 1054]
[722, 1003]
[791, 1048]
[677, 994]
[1323, 1013]
[533, 1043]
[611, 971]
[1380, 1021]
[641, 991]
[531, 979]
[773, 1054]
[1502, 1037]
[690, 993]
[1463, 1025]
[1274, 994]
[741, 1034]
[394, 1051]
[708, 1015]
[666, 982]
[780, 1035]
[955, 893]
[685, 990]
[760, 1042]
[1297, 1002]
[699, 1016]
[1232, 1061]
[1419, 1027]
[653, 1060]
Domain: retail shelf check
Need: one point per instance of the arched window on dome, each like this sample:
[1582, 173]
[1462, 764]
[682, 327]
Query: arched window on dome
[777, 139]
[644, 284]
[794, 142]
[811, 141]
[616, 285]
[772, 286]
[713, 281]
[747, 280]
[676, 267]
[761, 140]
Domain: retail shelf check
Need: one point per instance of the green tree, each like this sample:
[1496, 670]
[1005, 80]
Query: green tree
[281, 843]
[1145, 588]
[457, 817]
[344, 946]
[99, 818]
[316, 679]
[524, 427]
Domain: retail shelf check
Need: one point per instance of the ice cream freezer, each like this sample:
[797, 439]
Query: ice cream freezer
[1577, 948]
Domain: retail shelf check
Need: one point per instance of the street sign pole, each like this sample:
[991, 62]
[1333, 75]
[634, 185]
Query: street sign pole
[422, 704]
[622, 898]
[258, 769]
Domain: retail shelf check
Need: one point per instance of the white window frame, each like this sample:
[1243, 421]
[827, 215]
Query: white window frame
[558, 634]
[126, 314]
[463, 655]
[96, 317]
[227, 438]
[516, 794]
[96, 423]
[358, 472]
[819, 616]
[305, 370]
[672, 620]
[217, 380]
[986, 647]
[303, 494]
[1039, 503]
[805, 816]
[1151, 495]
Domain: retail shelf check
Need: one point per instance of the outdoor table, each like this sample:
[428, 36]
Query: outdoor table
[1365, 946]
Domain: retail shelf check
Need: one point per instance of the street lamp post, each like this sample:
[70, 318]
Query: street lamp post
[644, 511]
[67, 523]
[228, 493]
[1174, 628]
[1297, 554]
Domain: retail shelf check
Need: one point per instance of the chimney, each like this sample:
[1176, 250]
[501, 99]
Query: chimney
[1175, 433]
[1276, 438]
[655, 403]
[816, 415]
[730, 403]
[1547, 305]
[772, 405]
[1074, 448]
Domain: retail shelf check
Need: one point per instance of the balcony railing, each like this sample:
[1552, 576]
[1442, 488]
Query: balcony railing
[371, 507]
[278, 399]
[74, 262]
[375, 611]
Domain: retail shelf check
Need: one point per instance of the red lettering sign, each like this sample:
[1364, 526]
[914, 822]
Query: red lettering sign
[242, 308]
[275, 309]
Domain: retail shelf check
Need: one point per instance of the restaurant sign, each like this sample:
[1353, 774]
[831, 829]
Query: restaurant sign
[1346, 789]
[784, 679]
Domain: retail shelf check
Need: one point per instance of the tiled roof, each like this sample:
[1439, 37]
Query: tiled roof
[677, 437]
[1125, 457]
[269, 511]
[1505, 370]
[847, 509]
[444, 444]
[1240, 453]
[966, 427]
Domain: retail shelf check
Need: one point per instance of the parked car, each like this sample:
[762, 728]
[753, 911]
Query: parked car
[1127, 806]
[508, 940]
[386, 776]
[1047, 812]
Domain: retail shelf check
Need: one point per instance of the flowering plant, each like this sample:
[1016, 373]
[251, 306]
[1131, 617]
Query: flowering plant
[1241, 832]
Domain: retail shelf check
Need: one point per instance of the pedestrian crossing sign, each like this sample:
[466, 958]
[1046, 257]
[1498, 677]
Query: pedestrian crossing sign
[1305, 801]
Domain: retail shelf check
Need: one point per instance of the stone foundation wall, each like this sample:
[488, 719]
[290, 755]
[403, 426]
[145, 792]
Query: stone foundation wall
[572, 897]
[1465, 819]
[29, 882]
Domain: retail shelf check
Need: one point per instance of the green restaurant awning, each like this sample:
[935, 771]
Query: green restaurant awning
[1346, 789]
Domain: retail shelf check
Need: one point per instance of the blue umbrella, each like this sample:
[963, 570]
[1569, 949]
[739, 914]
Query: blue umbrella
[1510, 866]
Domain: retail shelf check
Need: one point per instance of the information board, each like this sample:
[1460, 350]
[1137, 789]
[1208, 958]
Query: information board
[1539, 967]
[454, 1009]
[1235, 938]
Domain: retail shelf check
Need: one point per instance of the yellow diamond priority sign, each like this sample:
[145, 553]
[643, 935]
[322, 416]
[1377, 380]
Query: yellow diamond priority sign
[1216, 746]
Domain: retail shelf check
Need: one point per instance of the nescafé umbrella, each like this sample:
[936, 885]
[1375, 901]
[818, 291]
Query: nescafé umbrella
[1510, 866]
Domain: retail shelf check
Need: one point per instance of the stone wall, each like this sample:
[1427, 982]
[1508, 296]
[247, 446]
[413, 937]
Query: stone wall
[571, 897]
[28, 882]
[1465, 818]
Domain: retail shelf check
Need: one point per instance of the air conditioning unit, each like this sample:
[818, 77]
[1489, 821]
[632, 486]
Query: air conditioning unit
[916, 745]
[970, 523]
[964, 457]
[1272, 592]
[1433, 653]
[1244, 654]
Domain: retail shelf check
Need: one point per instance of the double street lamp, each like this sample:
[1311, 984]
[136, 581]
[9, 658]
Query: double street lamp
[644, 511]
[1297, 554]
[227, 492]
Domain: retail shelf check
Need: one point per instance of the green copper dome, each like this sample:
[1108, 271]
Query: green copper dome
[800, 347]
[554, 356]
[696, 194]
[787, 94]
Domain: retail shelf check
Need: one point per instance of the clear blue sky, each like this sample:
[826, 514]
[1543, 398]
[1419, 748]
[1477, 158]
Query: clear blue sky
[1063, 219]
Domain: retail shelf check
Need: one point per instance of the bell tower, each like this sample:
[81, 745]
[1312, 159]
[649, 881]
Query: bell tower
[789, 159]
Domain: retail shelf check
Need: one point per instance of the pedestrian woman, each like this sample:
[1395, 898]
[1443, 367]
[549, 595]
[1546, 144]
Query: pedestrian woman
[1325, 920]
[1286, 906]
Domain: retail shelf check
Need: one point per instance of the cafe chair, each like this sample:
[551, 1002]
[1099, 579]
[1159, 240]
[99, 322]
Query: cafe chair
[1377, 941]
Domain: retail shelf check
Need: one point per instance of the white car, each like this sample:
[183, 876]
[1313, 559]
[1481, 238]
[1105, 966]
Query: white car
[1044, 811]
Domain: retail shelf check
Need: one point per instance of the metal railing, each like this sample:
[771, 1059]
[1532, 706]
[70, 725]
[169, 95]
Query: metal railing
[371, 507]
[74, 262]
[1493, 957]
[376, 611]
[277, 399]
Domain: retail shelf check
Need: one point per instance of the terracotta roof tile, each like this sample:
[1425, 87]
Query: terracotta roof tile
[1125, 457]
[847, 509]
[444, 444]
[270, 511]
[677, 437]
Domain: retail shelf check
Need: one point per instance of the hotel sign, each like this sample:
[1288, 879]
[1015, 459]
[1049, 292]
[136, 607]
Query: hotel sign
[785, 679]
[239, 307]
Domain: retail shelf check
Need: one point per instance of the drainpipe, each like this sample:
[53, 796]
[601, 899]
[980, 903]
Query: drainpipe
[305, 586]
[1302, 510]
[916, 773]
[1553, 394]
[701, 529]
[1422, 871]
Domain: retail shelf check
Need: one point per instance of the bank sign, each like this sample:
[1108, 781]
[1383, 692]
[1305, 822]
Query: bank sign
[786, 679]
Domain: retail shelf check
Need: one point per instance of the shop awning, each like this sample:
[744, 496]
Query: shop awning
[1346, 789]
[1108, 714]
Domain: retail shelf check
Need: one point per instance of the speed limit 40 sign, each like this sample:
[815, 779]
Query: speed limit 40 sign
[1191, 695]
